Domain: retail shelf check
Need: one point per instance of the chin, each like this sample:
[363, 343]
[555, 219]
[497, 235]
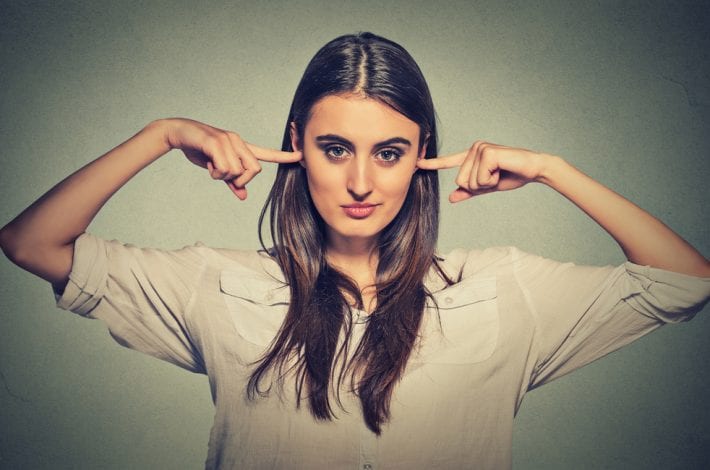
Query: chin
[358, 233]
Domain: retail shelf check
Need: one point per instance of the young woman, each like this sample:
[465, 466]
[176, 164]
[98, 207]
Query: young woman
[351, 343]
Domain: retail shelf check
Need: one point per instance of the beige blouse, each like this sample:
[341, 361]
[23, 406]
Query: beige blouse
[514, 322]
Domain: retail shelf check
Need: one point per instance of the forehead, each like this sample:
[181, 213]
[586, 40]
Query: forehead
[359, 119]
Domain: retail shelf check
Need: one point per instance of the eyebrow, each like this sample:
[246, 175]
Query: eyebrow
[344, 141]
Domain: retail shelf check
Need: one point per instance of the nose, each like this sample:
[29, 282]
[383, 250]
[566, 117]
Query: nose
[359, 178]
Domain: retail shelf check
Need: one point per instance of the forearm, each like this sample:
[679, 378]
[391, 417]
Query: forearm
[643, 238]
[38, 238]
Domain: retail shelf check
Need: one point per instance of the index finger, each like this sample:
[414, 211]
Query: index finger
[441, 163]
[273, 155]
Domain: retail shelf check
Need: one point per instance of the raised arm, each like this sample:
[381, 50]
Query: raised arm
[40, 239]
[644, 239]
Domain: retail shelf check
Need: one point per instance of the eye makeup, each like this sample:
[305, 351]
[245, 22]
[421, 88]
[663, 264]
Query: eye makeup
[338, 148]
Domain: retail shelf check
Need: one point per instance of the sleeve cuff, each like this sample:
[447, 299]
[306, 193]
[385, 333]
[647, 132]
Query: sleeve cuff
[673, 297]
[87, 279]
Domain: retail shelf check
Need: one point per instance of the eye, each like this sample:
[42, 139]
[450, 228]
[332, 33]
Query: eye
[335, 152]
[390, 155]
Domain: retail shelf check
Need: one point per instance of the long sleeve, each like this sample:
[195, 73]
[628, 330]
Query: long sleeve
[583, 313]
[143, 295]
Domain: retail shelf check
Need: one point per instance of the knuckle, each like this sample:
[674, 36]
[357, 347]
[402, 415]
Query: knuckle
[476, 143]
[251, 166]
[487, 152]
[223, 139]
[235, 165]
[462, 181]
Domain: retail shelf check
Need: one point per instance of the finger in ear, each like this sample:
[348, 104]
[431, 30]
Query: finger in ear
[295, 141]
[422, 150]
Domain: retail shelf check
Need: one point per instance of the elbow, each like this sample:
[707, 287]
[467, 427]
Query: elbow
[16, 248]
[8, 243]
[51, 264]
[12, 247]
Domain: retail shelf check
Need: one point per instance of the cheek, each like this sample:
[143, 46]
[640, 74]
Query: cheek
[395, 184]
[322, 181]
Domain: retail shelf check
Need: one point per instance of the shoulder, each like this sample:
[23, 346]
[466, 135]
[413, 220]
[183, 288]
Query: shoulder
[195, 256]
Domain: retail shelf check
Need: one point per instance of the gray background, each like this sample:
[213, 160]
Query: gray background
[620, 89]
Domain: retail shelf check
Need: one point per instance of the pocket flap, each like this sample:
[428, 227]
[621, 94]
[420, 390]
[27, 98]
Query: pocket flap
[253, 287]
[465, 293]
[469, 328]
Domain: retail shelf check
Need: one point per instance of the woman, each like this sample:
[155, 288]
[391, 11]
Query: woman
[351, 342]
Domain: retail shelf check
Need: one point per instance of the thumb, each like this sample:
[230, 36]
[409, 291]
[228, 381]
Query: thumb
[459, 194]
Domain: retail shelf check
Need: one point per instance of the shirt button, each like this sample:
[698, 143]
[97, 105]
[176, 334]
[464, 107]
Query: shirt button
[448, 300]
[367, 466]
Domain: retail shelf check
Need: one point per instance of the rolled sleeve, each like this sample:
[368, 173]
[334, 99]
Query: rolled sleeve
[143, 295]
[665, 295]
[583, 313]
[87, 280]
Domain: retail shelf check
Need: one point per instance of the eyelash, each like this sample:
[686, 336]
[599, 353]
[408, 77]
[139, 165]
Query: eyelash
[396, 154]
[330, 148]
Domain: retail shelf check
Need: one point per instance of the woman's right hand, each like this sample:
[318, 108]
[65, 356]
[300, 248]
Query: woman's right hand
[223, 153]
[41, 238]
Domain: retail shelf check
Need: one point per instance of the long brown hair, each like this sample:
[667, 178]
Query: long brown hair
[314, 340]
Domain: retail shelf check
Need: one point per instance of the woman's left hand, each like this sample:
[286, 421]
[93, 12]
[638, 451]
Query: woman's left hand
[645, 240]
[488, 167]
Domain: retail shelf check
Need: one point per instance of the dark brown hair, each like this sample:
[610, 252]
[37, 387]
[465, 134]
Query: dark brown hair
[314, 340]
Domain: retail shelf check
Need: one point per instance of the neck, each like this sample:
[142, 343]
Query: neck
[358, 260]
[349, 254]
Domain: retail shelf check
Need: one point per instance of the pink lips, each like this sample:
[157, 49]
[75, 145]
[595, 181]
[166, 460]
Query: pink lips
[359, 210]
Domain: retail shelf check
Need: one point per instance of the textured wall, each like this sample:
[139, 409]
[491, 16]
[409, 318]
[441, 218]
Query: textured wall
[620, 89]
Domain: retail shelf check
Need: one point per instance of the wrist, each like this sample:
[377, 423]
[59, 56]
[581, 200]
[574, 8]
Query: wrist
[160, 130]
[551, 169]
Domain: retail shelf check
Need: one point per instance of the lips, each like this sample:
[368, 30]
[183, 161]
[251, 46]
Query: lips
[359, 210]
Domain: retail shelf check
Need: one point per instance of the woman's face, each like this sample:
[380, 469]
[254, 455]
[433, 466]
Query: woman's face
[360, 156]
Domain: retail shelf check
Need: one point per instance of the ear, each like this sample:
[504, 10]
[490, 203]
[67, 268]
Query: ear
[422, 151]
[295, 142]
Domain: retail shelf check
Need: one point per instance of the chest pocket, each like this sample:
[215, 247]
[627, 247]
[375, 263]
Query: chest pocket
[469, 325]
[256, 304]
